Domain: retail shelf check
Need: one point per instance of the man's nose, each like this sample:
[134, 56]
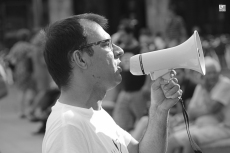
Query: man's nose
[118, 51]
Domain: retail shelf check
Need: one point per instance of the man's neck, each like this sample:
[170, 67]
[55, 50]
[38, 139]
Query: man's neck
[84, 97]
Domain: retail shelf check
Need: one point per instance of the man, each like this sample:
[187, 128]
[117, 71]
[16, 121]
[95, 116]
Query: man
[3, 79]
[20, 55]
[41, 76]
[85, 64]
[209, 108]
[131, 102]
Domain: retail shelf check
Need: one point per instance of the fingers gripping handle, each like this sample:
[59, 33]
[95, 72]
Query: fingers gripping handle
[164, 73]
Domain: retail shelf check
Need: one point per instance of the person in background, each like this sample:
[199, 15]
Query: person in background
[20, 56]
[188, 88]
[131, 102]
[85, 64]
[175, 116]
[146, 40]
[116, 37]
[175, 32]
[220, 49]
[227, 56]
[44, 106]
[159, 41]
[41, 75]
[3, 78]
[208, 111]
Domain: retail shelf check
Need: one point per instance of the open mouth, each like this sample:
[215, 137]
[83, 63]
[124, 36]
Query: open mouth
[119, 69]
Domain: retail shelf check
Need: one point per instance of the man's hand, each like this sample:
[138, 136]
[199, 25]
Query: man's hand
[165, 93]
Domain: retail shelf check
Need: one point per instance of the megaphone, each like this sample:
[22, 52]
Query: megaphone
[188, 55]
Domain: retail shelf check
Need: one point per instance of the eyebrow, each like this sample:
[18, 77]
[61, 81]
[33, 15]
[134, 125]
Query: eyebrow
[94, 43]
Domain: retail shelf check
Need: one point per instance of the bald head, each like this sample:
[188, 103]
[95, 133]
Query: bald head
[210, 62]
[212, 73]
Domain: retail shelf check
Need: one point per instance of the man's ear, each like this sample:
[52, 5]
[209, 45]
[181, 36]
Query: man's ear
[79, 58]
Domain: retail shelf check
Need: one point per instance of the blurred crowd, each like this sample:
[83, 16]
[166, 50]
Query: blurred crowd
[24, 68]
[206, 98]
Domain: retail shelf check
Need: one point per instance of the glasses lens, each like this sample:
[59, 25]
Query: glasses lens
[106, 44]
[103, 44]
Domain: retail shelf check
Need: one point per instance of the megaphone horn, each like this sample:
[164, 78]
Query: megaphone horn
[188, 55]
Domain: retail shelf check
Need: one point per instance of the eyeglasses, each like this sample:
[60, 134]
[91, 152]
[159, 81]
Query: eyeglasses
[103, 44]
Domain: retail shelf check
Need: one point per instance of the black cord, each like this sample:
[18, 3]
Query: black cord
[194, 146]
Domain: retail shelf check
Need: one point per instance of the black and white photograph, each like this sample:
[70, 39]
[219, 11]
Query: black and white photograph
[114, 76]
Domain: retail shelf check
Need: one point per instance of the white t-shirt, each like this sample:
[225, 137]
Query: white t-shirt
[72, 129]
[202, 99]
[221, 93]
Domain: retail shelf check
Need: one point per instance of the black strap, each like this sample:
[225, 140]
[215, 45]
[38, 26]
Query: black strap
[194, 146]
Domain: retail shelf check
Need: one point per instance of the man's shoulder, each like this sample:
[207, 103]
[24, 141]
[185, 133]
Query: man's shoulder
[225, 79]
[68, 114]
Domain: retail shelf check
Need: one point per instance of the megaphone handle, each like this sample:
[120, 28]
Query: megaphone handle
[164, 73]
[167, 76]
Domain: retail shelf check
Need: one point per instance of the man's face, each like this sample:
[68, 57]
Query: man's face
[104, 65]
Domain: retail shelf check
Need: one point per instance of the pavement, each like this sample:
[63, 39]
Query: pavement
[16, 134]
